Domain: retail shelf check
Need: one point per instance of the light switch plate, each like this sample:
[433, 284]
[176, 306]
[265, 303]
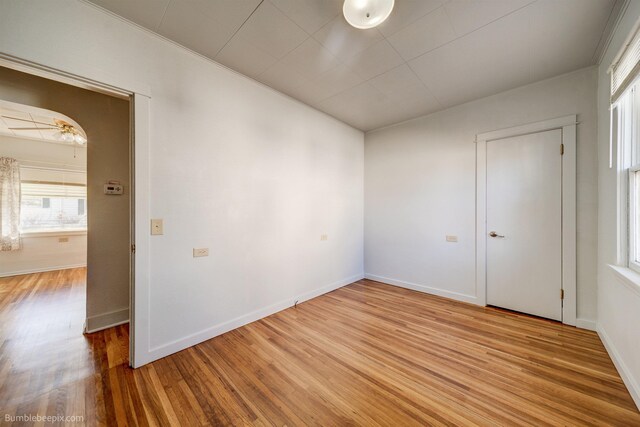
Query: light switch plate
[452, 239]
[157, 227]
[198, 252]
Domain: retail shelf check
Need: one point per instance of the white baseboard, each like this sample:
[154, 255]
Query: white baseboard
[206, 334]
[106, 320]
[426, 289]
[42, 270]
[624, 372]
[586, 324]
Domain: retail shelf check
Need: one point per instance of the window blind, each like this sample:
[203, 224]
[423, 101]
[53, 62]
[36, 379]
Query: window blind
[48, 189]
[625, 70]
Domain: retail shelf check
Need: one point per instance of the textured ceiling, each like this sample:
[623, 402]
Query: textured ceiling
[429, 54]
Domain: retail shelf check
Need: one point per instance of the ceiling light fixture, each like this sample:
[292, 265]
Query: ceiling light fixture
[365, 14]
[68, 133]
[65, 131]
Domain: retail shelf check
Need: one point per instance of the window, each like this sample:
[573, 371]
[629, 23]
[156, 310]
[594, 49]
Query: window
[626, 129]
[625, 135]
[52, 206]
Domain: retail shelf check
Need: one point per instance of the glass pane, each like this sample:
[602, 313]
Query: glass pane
[52, 213]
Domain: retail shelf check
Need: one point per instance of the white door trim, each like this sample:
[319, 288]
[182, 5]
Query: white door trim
[568, 126]
[139, 95]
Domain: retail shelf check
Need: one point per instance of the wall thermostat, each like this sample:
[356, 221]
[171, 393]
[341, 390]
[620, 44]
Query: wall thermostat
[113, 188]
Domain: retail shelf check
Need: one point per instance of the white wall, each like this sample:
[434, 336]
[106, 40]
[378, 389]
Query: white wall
[618, 302]
[44, 252]
[255, 176]
[420, 187]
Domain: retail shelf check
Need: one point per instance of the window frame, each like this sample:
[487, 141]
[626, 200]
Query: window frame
[627, 141]
[633, 253]
[34, 232]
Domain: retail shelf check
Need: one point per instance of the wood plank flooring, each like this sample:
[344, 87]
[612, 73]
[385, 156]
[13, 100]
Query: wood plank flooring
[366, 354]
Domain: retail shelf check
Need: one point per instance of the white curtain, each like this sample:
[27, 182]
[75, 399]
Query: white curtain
[9, 204]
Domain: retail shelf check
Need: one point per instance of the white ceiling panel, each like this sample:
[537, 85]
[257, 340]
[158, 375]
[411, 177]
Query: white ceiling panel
[3, 128]
[21, 120]
[406, 93]
[427, 33]
[20, 128]
[186, 24]
[230, 12]
[486, 62]
[43, 121]
[429, 54]
[147, 13]
[310, 59]
[282, 78]
[343, 40]
[358, 104]
[7, 113]
[362, 98]
[375, 60]
[469, 15]
[337, 80]
[310, 15]
[396, 80]
[330, 83]
[308, 92]
[415, 104]
[272, 31]
[244, 57]
[406, 12]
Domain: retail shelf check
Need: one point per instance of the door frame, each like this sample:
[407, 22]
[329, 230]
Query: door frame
[139, 96]
[569, 272]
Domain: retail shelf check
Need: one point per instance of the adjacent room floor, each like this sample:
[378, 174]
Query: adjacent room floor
[365, 354]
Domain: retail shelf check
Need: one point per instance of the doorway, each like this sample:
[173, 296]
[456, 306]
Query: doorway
[526, 237]
[105, 282]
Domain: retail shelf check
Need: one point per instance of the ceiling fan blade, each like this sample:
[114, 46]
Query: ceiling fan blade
[25, 120]
[32, 128]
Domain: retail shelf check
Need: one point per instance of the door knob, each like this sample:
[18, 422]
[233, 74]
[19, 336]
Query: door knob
[494, 234]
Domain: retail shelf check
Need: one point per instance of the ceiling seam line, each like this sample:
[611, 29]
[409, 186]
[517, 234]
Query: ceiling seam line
[471, 32]
[405, 62]
[239, 28]
[163, 15]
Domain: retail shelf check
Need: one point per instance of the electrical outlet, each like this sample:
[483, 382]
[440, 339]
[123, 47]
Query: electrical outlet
[452, 239]
[324, 237]
[199, 252]
[157, 227]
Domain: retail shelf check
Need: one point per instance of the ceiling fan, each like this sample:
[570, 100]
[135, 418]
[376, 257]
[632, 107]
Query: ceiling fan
[65, 131]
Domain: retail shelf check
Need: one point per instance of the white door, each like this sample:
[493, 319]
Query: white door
[524, 223]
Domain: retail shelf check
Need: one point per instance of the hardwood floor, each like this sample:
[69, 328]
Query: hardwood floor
[366, 354]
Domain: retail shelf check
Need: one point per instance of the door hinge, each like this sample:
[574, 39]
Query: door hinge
[133, 249]
[562, 149]
[561, 293]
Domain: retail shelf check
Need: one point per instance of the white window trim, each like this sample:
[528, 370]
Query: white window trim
[625, 193]
[35, 232]
[631, 213]
[628, 277]
[53, 233]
